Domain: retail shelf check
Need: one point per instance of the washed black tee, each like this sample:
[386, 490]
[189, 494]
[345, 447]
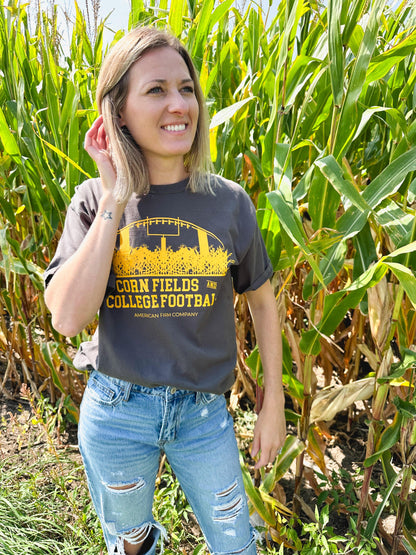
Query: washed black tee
[168, 314]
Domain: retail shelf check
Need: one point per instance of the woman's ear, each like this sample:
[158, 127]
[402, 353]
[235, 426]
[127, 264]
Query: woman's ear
[121, 121]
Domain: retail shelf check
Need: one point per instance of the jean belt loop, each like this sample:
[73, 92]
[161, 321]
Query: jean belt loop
[127, 391]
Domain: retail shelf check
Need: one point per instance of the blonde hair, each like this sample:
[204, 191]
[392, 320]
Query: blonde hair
[111, 95]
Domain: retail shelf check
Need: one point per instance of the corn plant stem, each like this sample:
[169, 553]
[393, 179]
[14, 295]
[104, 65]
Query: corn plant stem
[360, 334]
[378, 405]
[304, 422]
[398, 299]
[408, 454]
[354, 374]
[403, 504]
[366, 480]
[375, 429]
[303, 428]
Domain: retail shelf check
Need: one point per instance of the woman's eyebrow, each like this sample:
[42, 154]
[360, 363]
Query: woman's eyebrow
[162, 81]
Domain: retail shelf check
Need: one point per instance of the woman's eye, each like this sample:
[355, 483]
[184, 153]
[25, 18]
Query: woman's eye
[155, 90]
[188, 89]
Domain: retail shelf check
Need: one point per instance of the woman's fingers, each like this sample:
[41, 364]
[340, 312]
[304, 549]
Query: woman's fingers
[97, 146]
[95, 138]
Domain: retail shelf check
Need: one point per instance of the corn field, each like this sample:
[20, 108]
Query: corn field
[313, 111]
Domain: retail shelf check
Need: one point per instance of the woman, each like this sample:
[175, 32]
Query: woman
[155, 245]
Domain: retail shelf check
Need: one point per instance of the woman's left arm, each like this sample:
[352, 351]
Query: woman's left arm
[270, 429]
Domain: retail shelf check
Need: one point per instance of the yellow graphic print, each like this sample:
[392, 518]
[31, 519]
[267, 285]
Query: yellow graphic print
[171, 273]
[207, 258]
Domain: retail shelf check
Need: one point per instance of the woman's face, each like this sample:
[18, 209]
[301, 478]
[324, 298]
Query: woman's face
[161, 110]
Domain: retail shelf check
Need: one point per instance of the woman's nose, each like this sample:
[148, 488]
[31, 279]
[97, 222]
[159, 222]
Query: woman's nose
[177, 103]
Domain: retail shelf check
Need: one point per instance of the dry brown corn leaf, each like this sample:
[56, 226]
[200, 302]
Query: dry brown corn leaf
[329, 402]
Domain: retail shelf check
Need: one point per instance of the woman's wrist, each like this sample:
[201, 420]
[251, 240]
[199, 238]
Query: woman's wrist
[273, 396]
[109, 209]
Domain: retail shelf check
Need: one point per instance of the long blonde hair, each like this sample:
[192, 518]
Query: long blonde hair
[111, 94]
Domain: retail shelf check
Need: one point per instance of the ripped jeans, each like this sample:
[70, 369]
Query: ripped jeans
[123, 429]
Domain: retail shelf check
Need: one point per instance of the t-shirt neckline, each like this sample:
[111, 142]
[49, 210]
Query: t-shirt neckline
[170, 188]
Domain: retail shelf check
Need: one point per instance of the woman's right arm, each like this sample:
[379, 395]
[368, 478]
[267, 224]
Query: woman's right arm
[76, 291]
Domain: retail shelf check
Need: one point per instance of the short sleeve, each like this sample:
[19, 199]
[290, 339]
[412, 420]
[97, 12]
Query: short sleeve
[80, 215]
[254, 266]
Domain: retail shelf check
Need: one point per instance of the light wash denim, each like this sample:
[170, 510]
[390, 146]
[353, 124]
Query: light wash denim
[124, 428]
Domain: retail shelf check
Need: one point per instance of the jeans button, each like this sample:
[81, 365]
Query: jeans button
[173, 389]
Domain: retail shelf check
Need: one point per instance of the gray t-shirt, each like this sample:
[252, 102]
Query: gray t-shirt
[168, 314]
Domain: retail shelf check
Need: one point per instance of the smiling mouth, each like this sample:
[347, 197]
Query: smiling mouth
[177, 127]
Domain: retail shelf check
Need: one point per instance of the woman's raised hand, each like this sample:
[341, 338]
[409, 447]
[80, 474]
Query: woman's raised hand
[97, 146]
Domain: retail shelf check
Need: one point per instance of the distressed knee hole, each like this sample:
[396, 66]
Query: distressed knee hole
[227, 491]
[125, 488]
[147, 534]
[136, 536]
[229, 511]
[231, 504]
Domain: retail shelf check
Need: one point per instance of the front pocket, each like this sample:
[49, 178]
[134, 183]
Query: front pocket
[103, 391]
[205, 398]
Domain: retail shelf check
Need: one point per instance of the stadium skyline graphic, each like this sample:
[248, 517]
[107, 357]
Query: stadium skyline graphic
[169, 247]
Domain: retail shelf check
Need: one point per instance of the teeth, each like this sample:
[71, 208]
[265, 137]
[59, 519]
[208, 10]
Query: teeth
[180, 127]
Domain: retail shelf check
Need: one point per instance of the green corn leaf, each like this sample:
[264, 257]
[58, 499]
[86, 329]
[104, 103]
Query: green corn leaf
[348, 117]
[68, 106]
[370, 112]
[396, 223]
[382, 64]
[65, 157]
[203, 26]
[335, 308]
[176, 14]
[274, 504]
[406, 409]
[268, 223]
[335, 50]
[7, 208]
[354, 16]
[398, 369]
[365, 251]
[45, 347]
[215, 69]
[289, 220]
[383, 185]
[323, 203]
[293, 385]
[7, 257]
[388, 439]
[333, 172]
[373, 521]
[293, 14]
[406, 279]
[136, 9]
[329, 266]
[409, 541]
[255, 498]
[390, 179]
[292, 448]
[7, 139]
[229, 112]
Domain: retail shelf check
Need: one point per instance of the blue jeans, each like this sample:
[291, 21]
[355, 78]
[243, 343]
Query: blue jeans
[123, 429]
